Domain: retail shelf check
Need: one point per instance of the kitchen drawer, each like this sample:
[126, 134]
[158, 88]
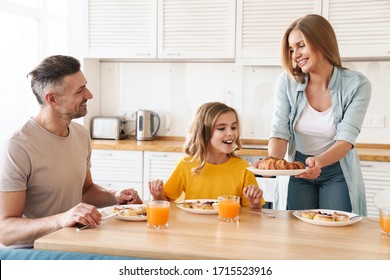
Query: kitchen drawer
[113, 165]
[158, 165]
[118, 185]
[376, 177]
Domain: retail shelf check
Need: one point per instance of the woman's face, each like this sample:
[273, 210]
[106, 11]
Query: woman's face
[225, 133]
[300, 53]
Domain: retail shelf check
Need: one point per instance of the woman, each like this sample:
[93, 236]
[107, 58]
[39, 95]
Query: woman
[210, 168]
[318, 114]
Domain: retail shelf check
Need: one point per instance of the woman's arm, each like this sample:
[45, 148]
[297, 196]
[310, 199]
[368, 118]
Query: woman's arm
[277, 147]
[335, 153]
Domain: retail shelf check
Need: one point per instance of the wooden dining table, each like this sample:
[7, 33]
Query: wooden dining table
[203, 237]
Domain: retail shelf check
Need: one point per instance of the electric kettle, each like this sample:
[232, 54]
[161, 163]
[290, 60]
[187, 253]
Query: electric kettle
[148, 123]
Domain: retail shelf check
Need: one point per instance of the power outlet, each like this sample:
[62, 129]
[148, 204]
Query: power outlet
[129, 116]
[374, 122]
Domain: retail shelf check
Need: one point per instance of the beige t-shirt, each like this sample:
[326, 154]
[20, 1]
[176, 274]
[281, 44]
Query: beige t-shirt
[51, 169]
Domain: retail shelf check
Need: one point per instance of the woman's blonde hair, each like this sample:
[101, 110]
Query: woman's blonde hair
[319, 37]
[201, 130]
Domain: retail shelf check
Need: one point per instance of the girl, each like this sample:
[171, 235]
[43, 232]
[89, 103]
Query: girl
[210, 168]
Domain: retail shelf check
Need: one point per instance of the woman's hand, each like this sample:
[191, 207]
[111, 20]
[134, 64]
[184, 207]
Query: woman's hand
[314, 170]
[254, 195]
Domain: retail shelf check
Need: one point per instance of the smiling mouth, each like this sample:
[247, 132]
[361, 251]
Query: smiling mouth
[302, 62]
[229, 142]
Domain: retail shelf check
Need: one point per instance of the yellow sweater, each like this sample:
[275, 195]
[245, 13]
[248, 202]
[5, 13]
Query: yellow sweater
[213, 180]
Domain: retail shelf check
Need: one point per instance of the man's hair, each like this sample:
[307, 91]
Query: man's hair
[50, 73]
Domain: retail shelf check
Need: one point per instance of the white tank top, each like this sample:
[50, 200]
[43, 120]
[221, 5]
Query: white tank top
[315, 131]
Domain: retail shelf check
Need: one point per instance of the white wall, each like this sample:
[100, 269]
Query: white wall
[175, 90]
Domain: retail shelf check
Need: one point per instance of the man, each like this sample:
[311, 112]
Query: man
[45, 178]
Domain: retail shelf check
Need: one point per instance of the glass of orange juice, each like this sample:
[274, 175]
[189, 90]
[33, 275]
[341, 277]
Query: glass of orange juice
[384, 219]
[228, 208]
[157, 213]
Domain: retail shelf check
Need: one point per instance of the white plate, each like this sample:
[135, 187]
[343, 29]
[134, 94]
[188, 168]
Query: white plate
[325, 223]
[110, 210]
[289, 172]
[199, 211]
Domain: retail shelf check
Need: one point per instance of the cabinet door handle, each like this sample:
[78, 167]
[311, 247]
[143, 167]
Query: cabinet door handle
[159, 156]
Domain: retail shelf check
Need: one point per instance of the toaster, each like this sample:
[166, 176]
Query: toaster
[108, 128]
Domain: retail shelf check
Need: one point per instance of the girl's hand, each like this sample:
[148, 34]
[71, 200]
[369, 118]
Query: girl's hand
[156, 189]
[254, 195]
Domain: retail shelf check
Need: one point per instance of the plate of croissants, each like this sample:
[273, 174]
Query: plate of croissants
[271, 166]
[326, 217]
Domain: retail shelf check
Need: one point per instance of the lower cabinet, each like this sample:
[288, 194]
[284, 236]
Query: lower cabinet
[118, 170]
[376, 177]
[158, 165]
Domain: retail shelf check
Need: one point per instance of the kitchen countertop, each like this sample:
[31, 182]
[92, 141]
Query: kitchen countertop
[368, 152]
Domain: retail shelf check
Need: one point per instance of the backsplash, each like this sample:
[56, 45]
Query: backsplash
[175, 90]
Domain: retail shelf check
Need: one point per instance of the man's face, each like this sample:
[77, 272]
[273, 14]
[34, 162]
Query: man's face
[72, 103]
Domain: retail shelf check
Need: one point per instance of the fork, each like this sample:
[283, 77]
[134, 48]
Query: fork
[261, 213]
[364, 217]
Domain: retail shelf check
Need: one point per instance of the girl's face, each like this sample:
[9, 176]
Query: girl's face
[300, 53]
[224, 134]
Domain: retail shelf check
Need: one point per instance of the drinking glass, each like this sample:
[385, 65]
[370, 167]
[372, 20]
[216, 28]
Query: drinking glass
[157, 214]
[384, 219]
[228, 208]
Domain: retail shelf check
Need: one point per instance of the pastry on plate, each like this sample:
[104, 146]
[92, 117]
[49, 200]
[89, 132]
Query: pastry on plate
[203, 205]
[130, 209]
[272, 163]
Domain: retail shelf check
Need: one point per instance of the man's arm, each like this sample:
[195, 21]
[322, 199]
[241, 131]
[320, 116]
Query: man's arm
[101, 197]
[15, 230]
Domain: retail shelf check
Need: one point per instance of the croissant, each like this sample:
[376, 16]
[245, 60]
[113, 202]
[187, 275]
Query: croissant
[272, 163]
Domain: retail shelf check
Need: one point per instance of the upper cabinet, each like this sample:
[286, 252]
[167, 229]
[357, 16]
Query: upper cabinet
[245, 31]
[122, 29]
[260, 26]
[162, 29]
[198, 29]
[362, 27]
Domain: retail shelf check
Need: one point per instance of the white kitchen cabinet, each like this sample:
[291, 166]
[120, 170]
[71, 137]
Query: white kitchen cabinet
[117, 169]
[362, 27]
[158, 165]
[260, 26]
[196, 29]
[376, 177]
[161, 29]
[122, 29]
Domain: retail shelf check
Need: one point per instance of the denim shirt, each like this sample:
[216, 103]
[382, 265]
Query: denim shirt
[350, 93]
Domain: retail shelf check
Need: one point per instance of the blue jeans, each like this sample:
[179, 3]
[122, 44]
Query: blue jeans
[328, 191]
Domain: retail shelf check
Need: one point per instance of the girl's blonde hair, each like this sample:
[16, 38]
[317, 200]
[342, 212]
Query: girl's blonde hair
[201, 130]
[319, 37]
